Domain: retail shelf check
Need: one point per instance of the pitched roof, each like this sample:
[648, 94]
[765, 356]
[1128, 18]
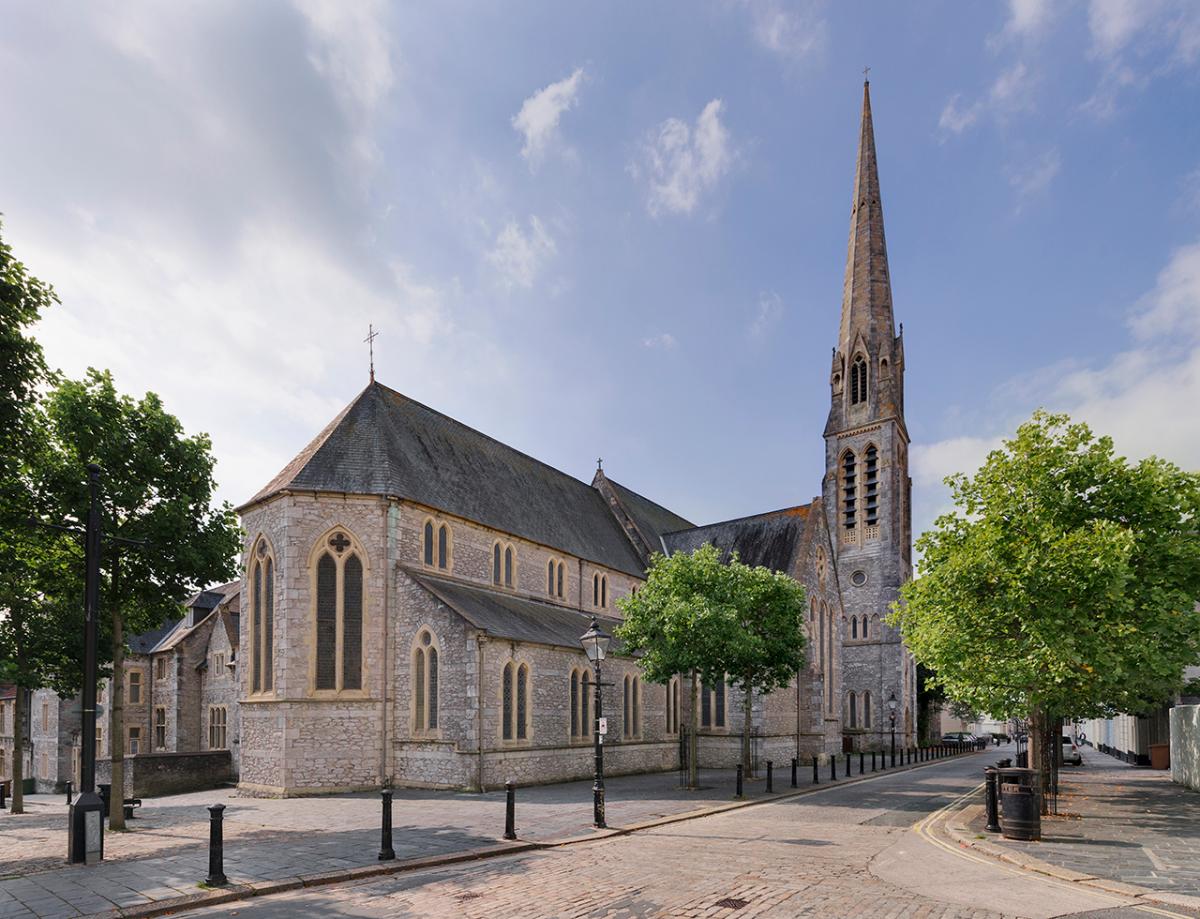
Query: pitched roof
[147, 641]
[384, 443]
[652, 520]
[771, 539]
[504, 615]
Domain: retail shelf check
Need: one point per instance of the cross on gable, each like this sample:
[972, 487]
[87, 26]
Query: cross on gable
[339, 542]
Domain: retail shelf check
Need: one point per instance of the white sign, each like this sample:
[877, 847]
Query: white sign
[602, 727]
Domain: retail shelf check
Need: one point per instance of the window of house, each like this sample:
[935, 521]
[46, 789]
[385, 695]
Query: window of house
[425, 683]
[852, 708]
[160, 668]
[339, 616]
[218, 716]
[712, 705]
[858, 380]
[262, 618]
[134, 746]
[160, 728]
[45, 715]
[218, 664]
[849, 490]
[866, 706]
[872, 486]
[135, 687]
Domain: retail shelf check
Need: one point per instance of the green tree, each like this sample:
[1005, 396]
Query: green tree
[712, 619]
[157, 488]
[1064, 583]
[26, 554]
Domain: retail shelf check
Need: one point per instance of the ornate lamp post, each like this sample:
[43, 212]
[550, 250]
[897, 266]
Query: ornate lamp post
[595, 643]
[891, 704]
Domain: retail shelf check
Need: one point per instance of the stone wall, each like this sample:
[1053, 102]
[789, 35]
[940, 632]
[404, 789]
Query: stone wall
[155, 774]
[219, 686]
[1185, 745]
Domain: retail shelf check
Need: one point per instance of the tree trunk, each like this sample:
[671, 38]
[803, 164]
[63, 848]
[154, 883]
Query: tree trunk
[17, 805]
[116, 720]
[747, 725]
[693, 740]
[1037, 754]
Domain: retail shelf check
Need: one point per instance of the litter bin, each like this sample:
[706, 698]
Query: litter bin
[1020, 816]
[1160, 756]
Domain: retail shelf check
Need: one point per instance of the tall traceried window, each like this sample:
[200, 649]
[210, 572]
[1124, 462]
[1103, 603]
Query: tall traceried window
[425, 683]
[515, 691]
[858, 380]
[849, 490]
[523, 702]
[852, 709]
[438, 548]
[338, 621]
[866, 706]
[712, 705]
[506, 701]
[872, 486]
[217, 723]
[632, 726]
[262, 618]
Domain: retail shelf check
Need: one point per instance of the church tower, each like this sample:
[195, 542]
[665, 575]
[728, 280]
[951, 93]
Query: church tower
[867, 488]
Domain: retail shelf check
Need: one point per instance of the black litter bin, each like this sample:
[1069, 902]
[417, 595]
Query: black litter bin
[1023, 759]
[1005, 763]
[1020, 816]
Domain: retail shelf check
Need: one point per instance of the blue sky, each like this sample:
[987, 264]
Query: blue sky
[614, 230]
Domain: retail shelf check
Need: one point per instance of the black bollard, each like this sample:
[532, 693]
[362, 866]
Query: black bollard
[68, 794]
[795, 764]
[770, 779]
[510, 811]
[833, 767]
[816, 777]
[386, 852]
[3, 786]
[862, 762]
[872, 760]
[991, 800]
[738, 794]
[216, 847]
[848, 770]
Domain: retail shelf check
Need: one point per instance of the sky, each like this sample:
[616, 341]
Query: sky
[614, 230]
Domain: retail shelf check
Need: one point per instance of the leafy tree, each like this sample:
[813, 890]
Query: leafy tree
[697, 614]
[25, 553]
[157, 488]
[1065, 582]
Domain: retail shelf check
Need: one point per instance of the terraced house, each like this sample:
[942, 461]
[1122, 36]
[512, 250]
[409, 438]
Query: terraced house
[414, 591]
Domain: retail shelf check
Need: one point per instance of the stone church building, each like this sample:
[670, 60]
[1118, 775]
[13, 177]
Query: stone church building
[414, 591]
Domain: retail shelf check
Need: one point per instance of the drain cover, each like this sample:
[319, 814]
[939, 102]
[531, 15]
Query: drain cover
[732, 903]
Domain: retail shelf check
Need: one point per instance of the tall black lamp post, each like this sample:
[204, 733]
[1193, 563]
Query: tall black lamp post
[891, 704]
[595, 643]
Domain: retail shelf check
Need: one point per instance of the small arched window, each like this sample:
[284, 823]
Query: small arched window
[712, 705]
[852, 703]
[429, 556]
[496, 564]
[595, 590]
[849, 489]
[425, 683]
[506, 703]
[523, 702]
[504, 564]
[439, 544]
[575, 703]
[858, 380]
[864, 627]
[443, 546]
[508, 566]
[633, 706]
[585, 705]
[866, 703]
[550, 578]
[854, 627]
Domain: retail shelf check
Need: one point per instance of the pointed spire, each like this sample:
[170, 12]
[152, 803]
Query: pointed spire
[867, 291]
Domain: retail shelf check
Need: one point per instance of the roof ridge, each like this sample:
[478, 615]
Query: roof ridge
[638, 494]
[717, 523]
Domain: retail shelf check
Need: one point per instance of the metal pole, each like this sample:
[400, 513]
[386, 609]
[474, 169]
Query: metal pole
[795, 764]
[510, 811]
[598, 783]
[386, 852]
[216, 848]
[862, 762]
[893, 741]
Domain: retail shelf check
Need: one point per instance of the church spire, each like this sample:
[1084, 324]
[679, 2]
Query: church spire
[867, 373]
[867, 291]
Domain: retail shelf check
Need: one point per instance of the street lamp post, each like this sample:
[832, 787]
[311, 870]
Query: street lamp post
[891, 704]
[595, 643]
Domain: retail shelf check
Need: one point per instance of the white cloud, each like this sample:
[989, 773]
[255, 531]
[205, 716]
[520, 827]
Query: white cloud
[769, 312]
[519, 257]
[794, 33]
[1033, 178]
[683, 162]
[665, 341]
[1011, 92]
[1028, 17]
[538, 119]
[956, 118]
[1140, 396]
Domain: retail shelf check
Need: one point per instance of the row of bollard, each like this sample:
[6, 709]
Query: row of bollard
[216, 847]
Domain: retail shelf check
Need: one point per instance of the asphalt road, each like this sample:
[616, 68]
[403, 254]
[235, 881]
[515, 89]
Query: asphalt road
[849, 850]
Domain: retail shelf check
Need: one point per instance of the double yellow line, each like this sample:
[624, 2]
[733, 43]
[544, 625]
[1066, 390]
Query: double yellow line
[924, 829]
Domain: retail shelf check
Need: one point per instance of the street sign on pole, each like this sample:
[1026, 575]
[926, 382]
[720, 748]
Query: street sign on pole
[602, 726]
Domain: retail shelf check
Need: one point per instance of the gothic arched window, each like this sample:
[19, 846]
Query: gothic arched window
[866, 704]
[574, 703]
[858, 380]
[339, 618]
[425, 683]
[523, 702]
[508, 566]
[262, 621]
[852, 703]
[864, 627]
[872, 486]
[712, 705]
[854, 627]
[600, 590]
[585, 705]
[438, 544]
[849, 489]
[504, 564]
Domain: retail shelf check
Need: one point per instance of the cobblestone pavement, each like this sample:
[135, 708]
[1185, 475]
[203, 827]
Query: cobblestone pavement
[1124, 823]
[165, 854]
[810, 856]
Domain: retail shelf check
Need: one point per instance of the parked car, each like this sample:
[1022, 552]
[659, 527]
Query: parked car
[1070, 753]
[957, 737]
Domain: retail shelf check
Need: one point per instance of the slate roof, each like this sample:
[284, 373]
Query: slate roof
[384, 443]
[171, 633]
[772, 539]
[147, 641]
[653, 520]
[504, 615]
